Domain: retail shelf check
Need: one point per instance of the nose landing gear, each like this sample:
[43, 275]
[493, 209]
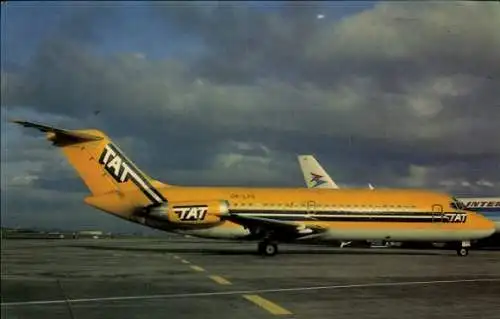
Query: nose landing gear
[463, 249]
[462, 252]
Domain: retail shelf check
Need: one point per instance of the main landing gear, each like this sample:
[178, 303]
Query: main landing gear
[267, 248]
[463, 249]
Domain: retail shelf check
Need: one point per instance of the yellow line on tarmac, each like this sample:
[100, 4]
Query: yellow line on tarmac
[267, 305]
[197, 268]
[220, 280]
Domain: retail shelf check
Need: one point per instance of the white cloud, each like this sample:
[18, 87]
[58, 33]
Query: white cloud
[421, 31]
[485, 183]
[140, 55]
[418, 176]
[465, 184]
[23, 180]
[447, 183]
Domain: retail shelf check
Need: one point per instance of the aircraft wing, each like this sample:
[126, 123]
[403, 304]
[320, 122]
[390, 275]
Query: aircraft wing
[282, 229]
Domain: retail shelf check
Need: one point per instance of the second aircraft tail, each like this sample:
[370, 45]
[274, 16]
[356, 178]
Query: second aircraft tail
[314, 174]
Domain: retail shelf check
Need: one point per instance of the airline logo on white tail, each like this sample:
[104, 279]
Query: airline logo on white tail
[317, 180]
[191, 213]
[122, 170]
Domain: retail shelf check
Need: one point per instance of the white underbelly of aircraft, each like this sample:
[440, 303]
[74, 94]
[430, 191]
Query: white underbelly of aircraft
[355, 234]
[405, 234]
[219, 232]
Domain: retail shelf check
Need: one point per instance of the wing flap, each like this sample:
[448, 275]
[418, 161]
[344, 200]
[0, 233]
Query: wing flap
[284, 229]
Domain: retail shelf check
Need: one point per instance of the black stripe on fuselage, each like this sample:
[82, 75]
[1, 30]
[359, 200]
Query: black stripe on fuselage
[344, 216]
[387, 219]
[331, 212]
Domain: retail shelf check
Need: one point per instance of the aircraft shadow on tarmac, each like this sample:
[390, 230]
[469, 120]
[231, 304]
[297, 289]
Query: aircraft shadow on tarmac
[287, 251]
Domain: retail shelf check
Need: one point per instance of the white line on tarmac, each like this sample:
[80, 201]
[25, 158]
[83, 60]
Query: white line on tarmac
[239, 292]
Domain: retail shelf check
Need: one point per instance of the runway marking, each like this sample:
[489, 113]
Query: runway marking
[176, 257]
[267, 305]
[184, 261]
[220, 280]
[197, 268]
[241, 292]
[66, 298]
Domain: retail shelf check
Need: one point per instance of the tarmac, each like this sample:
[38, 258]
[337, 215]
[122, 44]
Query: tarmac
[191, 278]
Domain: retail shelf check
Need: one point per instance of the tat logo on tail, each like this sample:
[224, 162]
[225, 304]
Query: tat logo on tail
[123, 170]
[317, 180]
[116, 166]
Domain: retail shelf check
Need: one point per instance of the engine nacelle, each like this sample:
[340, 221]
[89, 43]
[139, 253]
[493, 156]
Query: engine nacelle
[189, 213]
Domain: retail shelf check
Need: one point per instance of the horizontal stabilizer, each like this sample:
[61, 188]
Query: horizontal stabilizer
[58, 136]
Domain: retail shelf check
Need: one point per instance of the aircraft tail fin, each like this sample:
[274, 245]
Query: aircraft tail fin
[314, 174]
[101, 165]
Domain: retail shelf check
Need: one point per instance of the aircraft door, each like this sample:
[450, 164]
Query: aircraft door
[311, 208]
[437, 214]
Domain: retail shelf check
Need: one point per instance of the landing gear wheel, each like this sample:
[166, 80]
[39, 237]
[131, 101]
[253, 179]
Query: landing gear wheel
[462, 252]
[268, 248]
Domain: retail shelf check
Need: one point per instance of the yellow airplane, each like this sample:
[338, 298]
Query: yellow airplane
[315, 176]
[268, 215]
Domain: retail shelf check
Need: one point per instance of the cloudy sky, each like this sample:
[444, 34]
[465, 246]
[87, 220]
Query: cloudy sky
[396, 94]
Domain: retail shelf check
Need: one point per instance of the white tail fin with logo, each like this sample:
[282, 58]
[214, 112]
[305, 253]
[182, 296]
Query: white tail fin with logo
[314, 174]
